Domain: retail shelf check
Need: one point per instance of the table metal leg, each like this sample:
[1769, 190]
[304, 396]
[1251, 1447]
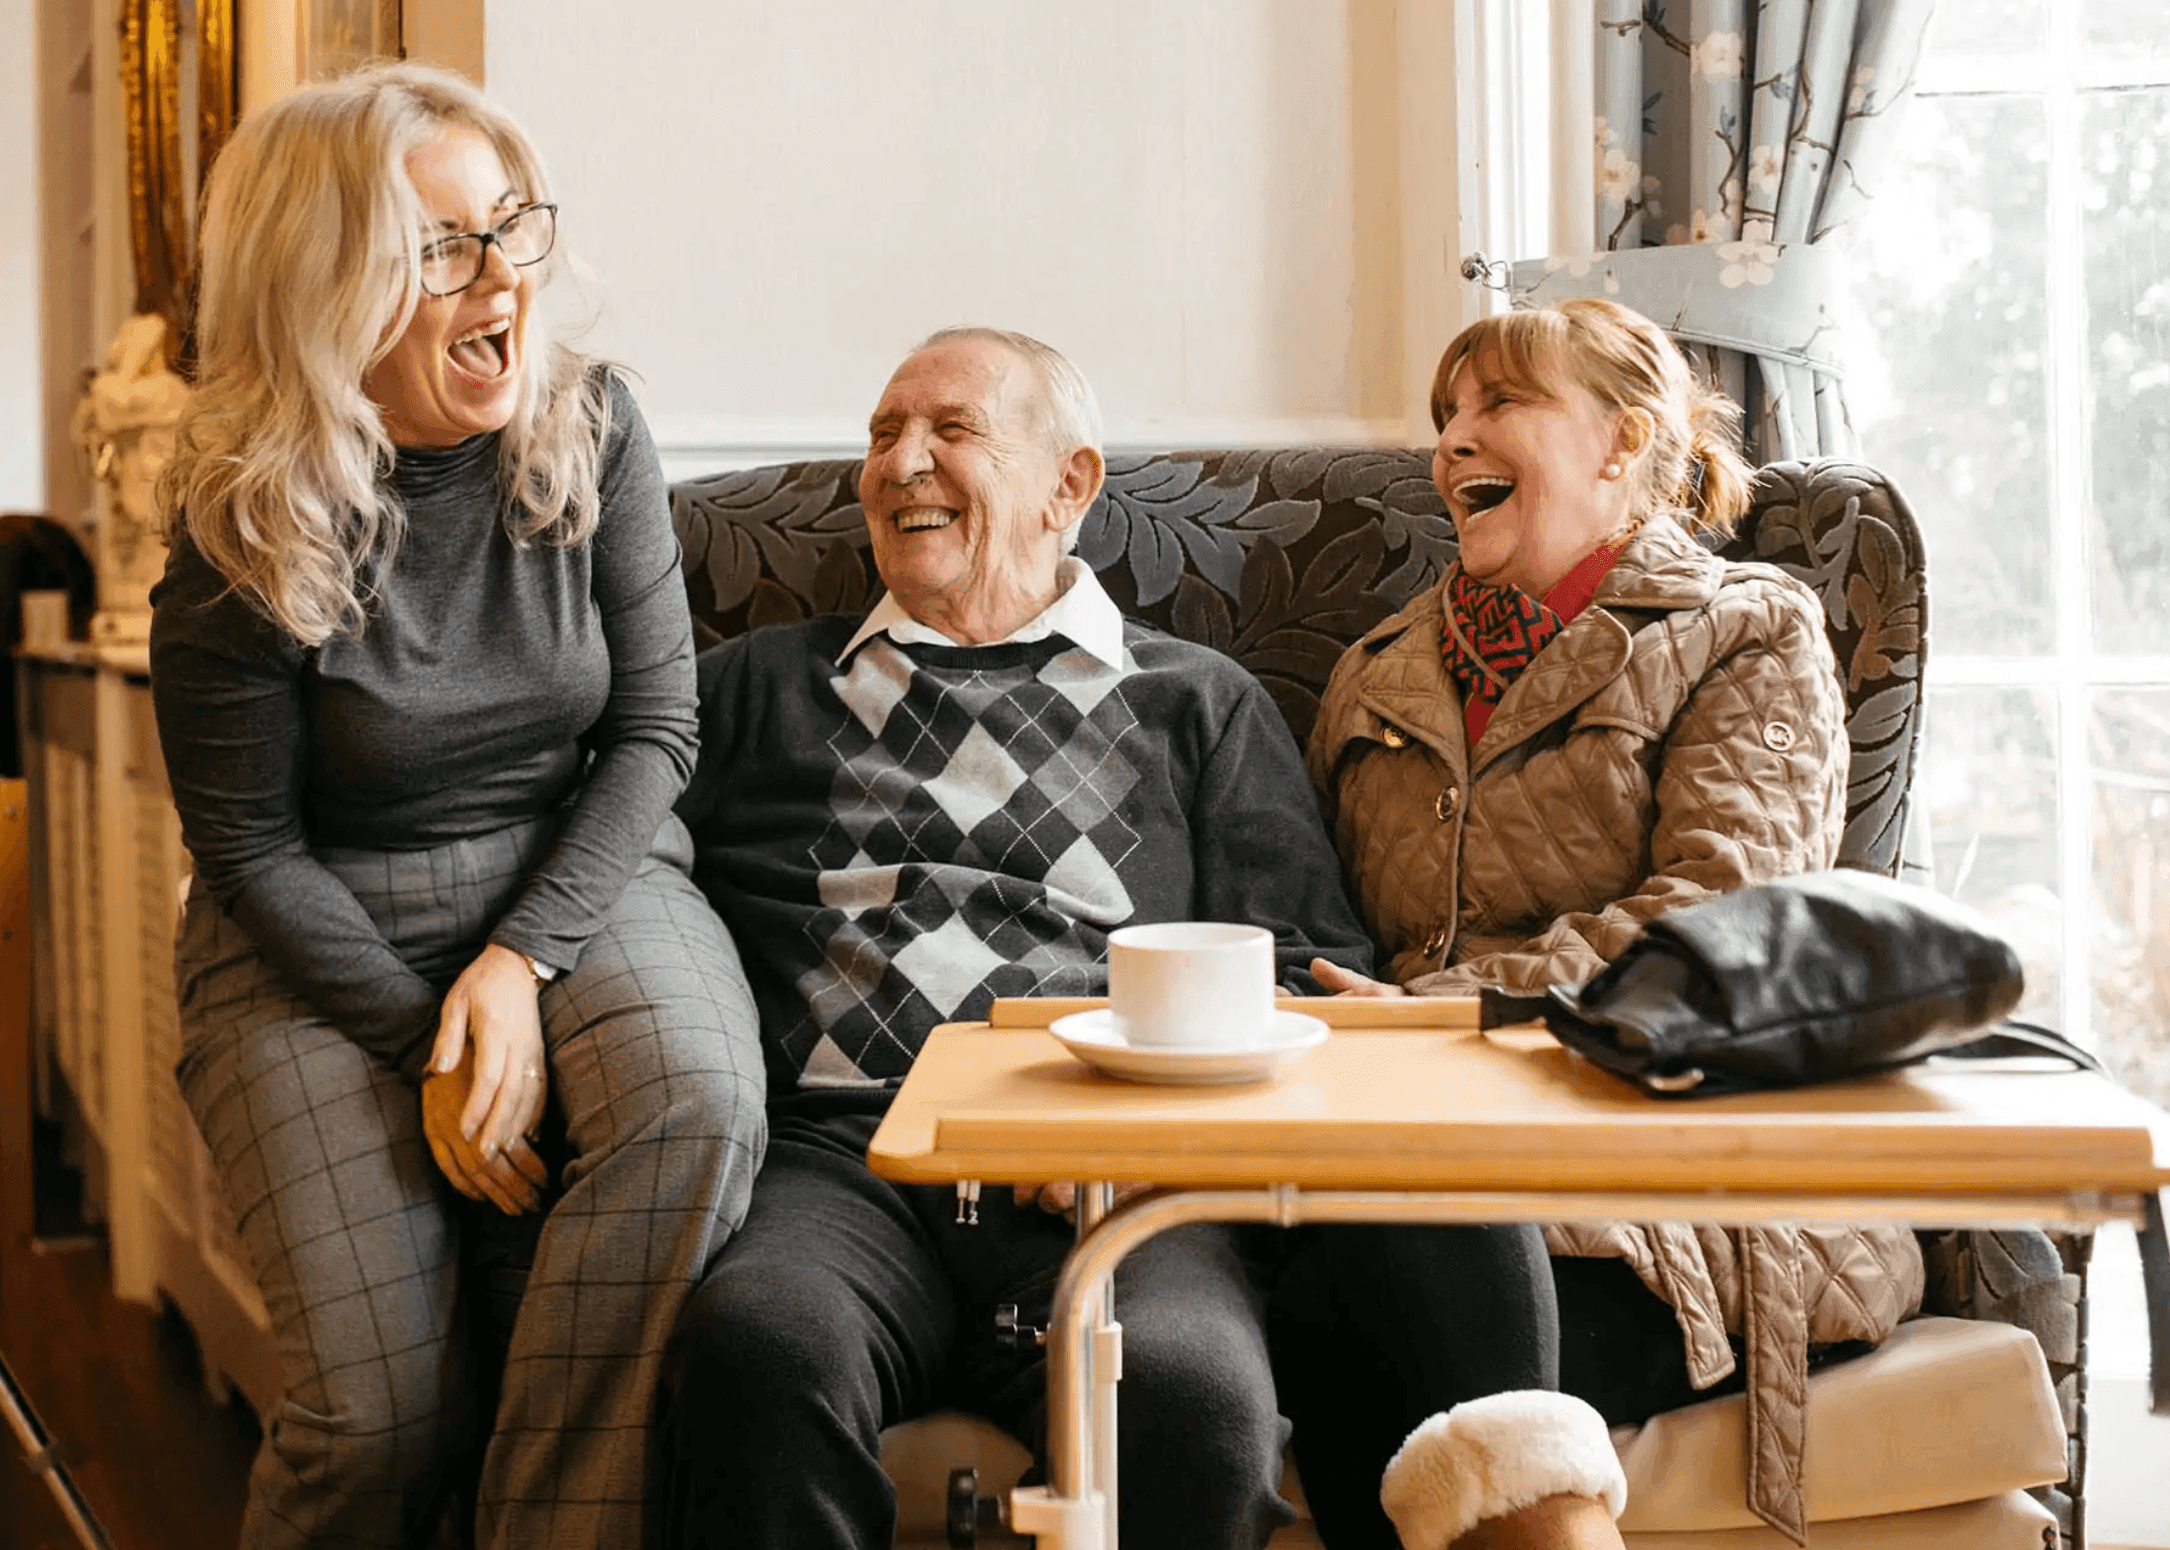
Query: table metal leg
[1074, 1512]
[1105, 1363]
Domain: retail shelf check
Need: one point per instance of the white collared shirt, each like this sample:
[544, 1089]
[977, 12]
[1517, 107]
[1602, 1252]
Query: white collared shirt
[1083, 614]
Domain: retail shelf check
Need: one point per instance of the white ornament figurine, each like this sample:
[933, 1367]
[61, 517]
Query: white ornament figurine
[124, 424]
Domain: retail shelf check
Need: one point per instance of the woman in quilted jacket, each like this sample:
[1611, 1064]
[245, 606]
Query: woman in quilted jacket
[1590, 721]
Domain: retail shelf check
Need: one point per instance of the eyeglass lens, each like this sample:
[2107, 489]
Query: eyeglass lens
[452, 264]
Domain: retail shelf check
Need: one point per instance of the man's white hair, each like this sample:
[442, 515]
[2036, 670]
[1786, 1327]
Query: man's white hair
[1073, 413]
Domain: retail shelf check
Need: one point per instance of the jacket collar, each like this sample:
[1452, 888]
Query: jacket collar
[1662, 569]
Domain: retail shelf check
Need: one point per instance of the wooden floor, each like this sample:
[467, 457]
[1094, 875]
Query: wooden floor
[162, 1465]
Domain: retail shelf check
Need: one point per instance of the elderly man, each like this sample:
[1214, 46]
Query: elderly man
[902, 818]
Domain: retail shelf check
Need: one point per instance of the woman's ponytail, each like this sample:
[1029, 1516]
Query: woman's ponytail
[1717, 482]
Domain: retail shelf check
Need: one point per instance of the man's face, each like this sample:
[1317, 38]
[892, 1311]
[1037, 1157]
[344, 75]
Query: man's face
[964, 492]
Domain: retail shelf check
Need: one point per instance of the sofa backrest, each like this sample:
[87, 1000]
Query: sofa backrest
[1283, 557]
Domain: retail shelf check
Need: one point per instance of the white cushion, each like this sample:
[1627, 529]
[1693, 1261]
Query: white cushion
[919, 1455]
[2012, 1521]
[1945, 1411]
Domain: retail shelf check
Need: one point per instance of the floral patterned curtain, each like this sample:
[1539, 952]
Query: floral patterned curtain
[1735, 142]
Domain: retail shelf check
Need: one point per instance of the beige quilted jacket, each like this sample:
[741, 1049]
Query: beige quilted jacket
[1684, 736]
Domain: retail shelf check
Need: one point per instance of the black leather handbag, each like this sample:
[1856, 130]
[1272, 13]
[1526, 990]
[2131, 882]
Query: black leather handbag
[1806, 979]
[1810, 979]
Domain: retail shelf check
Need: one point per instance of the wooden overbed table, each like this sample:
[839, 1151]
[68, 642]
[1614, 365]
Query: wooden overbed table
[1410, 1114]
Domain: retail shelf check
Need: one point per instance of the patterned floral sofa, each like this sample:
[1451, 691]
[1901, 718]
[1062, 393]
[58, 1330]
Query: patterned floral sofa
[1281, 558]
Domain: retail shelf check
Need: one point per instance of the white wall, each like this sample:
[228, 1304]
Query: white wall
[1196, 201]
[22, 409]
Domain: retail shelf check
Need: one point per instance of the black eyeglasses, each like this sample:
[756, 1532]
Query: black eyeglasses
[451, 264]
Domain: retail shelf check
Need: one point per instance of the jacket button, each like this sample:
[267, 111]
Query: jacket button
[1393, 737]
[1777, 736]
[1436, 943]
[1449, 803]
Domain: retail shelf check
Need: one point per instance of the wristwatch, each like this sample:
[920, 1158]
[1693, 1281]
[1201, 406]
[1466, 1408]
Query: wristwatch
[543, 972]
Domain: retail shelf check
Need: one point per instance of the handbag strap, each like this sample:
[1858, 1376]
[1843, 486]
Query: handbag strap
[1498, 1008]
[2155, 1291]
[2012, 1037]
[2017, 1038]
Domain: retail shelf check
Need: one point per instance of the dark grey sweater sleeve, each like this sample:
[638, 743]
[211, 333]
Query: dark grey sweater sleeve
[642, 747]
[225, 684]
[1260, 852]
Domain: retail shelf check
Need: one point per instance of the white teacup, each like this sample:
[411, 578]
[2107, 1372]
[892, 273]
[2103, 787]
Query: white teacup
[1194, 983]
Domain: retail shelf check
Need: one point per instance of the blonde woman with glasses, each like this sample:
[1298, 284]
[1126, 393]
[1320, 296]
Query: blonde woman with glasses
[424, 680]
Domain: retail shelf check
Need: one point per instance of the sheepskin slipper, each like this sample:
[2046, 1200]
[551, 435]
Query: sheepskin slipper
[1494, 1455]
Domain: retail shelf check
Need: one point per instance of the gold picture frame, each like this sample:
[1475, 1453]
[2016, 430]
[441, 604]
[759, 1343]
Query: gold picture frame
[336, 35]
[170, 64]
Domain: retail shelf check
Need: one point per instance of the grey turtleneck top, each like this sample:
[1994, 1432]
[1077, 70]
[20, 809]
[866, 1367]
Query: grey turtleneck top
[492, 685]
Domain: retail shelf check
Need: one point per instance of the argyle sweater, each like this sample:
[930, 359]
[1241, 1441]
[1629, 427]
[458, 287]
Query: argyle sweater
[900, 838]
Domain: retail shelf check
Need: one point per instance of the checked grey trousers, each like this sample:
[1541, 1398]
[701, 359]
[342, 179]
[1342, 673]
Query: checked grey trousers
[654, 1057]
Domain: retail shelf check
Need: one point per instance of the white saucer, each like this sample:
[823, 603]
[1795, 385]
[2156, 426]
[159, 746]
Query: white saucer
[1092, 1037]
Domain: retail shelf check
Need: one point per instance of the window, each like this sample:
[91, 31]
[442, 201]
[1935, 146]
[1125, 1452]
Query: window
[2013, 377]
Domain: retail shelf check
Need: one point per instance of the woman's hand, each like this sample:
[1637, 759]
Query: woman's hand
[511, 1180]
[1337, 981]
[491, 1008]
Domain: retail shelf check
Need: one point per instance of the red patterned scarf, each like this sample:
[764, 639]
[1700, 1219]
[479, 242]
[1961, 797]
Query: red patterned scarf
[1490, 634]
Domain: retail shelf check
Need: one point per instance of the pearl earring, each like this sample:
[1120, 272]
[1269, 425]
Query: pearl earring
[1612, 470]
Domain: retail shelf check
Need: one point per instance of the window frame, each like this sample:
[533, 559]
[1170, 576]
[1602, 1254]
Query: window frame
[2073, 670]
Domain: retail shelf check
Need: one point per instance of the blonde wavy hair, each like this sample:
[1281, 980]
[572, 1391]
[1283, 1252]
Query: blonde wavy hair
[311, 256]
[1623, 360]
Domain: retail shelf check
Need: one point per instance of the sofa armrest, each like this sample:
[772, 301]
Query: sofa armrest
[2036, 1281]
